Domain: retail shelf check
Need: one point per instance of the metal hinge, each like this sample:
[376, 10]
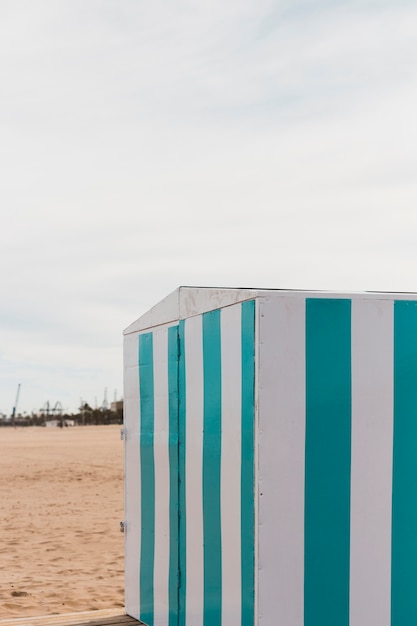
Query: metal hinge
[123, 527]
[123, 434]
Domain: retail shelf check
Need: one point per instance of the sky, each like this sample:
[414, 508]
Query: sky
[147, 145]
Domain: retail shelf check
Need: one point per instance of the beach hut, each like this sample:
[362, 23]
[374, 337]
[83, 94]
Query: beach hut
[271, 459]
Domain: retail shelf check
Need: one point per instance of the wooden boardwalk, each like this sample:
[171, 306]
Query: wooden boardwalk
[106, 617]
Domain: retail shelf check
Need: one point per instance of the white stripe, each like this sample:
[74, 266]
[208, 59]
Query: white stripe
[231, 363]
[194, 393]
[281, 460]
[132, 475]
[371, 474]
[161, 456]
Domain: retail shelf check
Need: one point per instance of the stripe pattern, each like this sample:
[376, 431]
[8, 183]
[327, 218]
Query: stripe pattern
[338, 462]
[196, 439]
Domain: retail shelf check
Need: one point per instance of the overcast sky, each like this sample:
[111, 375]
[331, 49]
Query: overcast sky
[147, 145]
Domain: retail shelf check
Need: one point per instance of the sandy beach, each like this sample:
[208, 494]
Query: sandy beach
[61, 502]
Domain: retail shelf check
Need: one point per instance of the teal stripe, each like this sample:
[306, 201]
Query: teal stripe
[147, 473]
[173, 474]
[327, 462]
[247, 472]
[404, 488]
[211, 469]
[182, 520]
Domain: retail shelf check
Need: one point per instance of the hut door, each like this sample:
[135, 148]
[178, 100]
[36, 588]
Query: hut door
[190, 471]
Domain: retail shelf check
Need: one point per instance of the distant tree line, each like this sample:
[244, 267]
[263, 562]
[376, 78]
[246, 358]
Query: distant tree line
[86, 417]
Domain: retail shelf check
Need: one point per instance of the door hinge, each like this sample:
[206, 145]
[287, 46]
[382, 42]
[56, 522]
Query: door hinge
[123, 434]
[123, 526]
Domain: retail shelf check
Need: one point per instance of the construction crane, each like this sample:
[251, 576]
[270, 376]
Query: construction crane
[15, 404]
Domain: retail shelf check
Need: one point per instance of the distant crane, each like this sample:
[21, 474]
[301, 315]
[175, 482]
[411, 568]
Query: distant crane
[15, 405]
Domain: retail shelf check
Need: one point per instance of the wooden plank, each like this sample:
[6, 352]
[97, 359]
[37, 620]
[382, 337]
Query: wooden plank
[101, 613]
[48, 621]
[105, 617]
[74, 614]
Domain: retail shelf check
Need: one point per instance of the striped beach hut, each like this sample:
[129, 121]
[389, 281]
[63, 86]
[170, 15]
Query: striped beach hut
[271, 459]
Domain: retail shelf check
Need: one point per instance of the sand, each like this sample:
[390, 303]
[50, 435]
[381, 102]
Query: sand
[61, 503]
